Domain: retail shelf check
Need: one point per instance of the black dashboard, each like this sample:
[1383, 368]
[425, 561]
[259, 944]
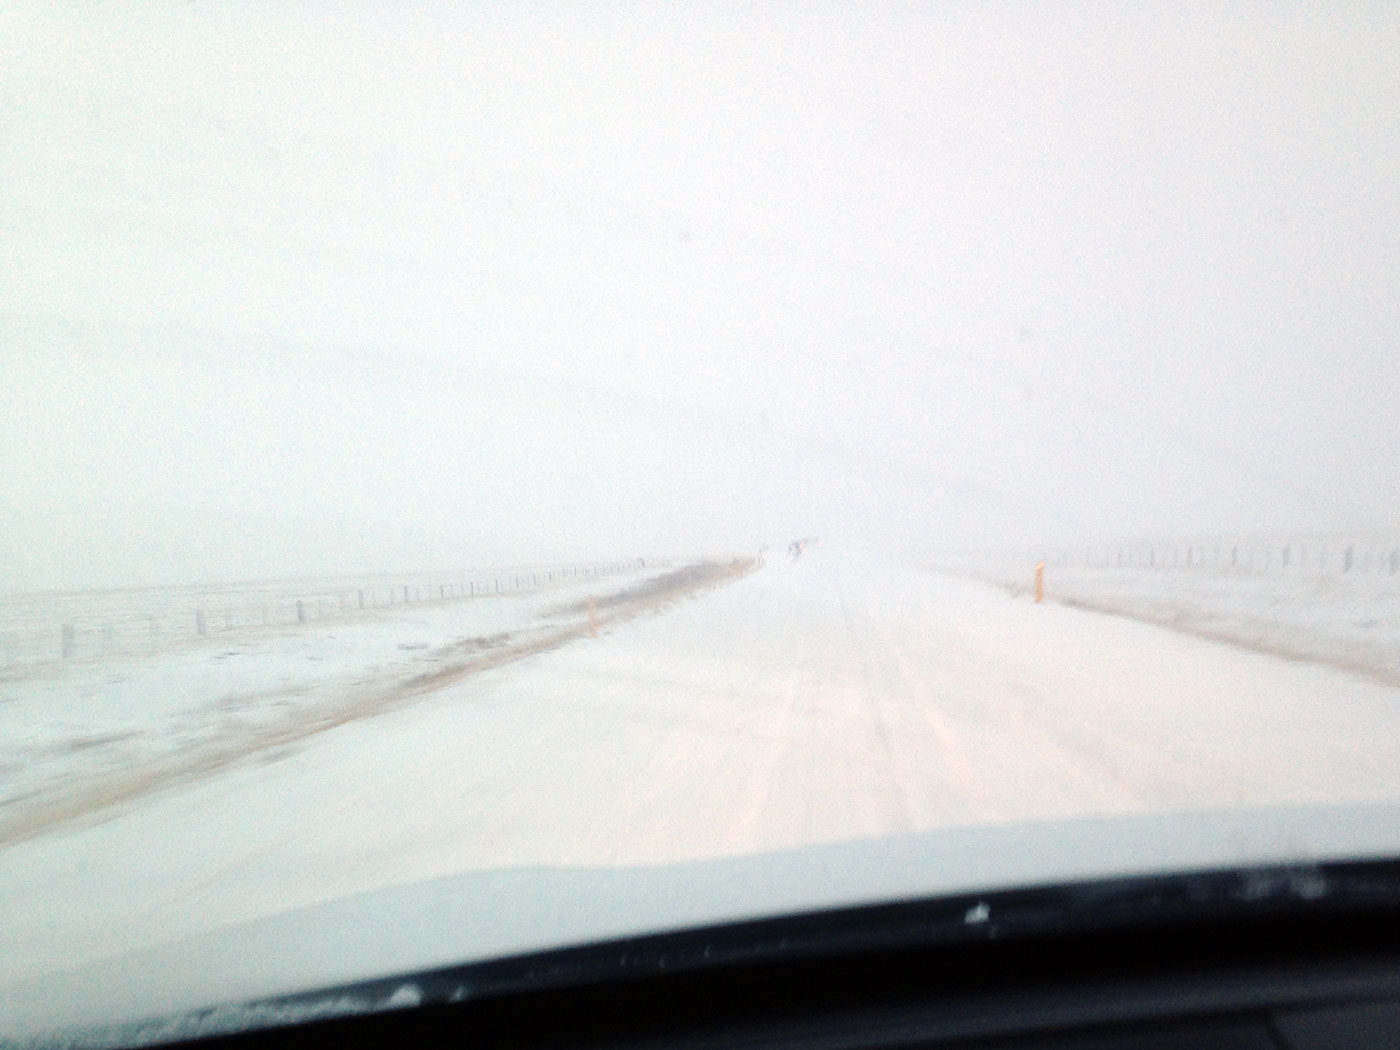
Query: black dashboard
[1299, 959]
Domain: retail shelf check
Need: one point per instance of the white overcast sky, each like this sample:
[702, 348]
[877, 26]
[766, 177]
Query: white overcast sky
[296, 289]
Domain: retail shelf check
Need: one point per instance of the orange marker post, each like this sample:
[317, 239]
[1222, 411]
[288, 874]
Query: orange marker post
[1039, 583]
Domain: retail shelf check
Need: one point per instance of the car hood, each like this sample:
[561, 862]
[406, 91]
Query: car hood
[202, 984]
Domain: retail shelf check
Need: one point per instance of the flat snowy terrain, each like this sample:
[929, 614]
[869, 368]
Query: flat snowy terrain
[812, 702]
[75, 733]
[1336, 603]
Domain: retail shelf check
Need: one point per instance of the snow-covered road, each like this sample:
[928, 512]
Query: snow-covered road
[811, 702]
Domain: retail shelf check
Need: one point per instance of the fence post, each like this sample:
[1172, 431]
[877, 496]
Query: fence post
[362, 599]
[67, 641]
[199, 622]
[1346, 562]
[301, 611]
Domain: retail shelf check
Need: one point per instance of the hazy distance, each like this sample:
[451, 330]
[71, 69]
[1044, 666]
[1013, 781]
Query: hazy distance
[328, 289]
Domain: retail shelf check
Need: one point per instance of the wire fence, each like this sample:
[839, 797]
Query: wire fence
[1315, 557]
[45, 629]
[1291, 557]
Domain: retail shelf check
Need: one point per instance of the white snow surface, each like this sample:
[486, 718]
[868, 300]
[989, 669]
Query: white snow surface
[1306, 598]
[836, 703]
[64, 725]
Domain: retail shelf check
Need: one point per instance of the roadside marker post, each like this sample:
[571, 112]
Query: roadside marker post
[1039, 583]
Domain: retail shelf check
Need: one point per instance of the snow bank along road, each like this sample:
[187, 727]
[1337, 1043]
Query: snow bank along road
[1306, 610]
[80, 738]
[808, 702]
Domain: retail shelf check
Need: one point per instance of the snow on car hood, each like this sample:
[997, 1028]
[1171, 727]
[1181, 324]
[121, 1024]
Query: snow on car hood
[482, 915]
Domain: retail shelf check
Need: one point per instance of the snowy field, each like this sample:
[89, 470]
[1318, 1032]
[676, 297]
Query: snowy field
[829, 700]
[76, 731]
[67, 627]
[1323, 599]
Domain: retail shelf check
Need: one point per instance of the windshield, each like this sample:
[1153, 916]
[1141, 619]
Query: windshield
[574, 450]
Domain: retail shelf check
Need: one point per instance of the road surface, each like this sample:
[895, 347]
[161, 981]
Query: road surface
[817, 701]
